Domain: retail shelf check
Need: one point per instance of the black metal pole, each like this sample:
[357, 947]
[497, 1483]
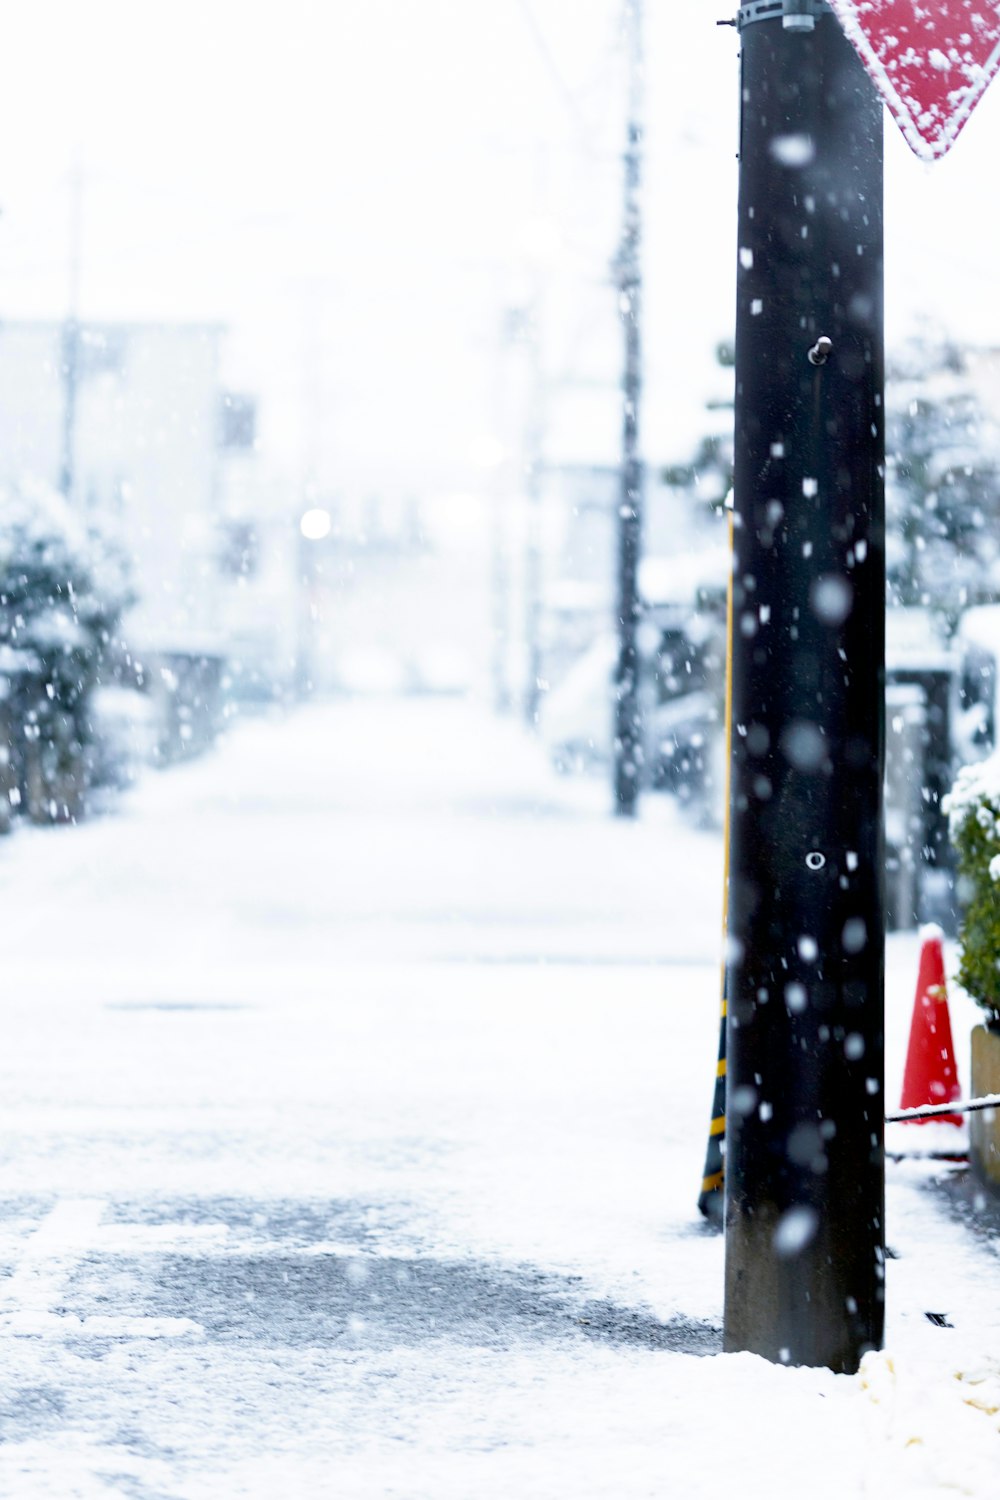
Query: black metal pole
[804, 1162]
[628, 725]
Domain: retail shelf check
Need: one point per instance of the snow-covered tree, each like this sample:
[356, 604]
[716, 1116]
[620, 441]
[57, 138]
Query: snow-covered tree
[63, 588]
[942, 478]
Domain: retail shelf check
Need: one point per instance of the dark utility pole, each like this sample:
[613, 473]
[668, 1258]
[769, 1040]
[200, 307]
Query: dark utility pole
[804, 1162]
[628, 723]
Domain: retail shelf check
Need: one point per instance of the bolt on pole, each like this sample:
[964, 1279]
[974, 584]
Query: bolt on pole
[804, 1161]
[627, 721]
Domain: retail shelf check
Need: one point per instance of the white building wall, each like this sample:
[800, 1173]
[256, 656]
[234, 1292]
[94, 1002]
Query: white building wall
[145, 452]
[31, 403]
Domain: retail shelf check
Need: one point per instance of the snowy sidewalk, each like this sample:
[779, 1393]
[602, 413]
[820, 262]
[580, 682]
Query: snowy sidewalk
[354, 1099]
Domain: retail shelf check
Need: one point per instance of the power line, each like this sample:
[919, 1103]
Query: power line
[555, 76]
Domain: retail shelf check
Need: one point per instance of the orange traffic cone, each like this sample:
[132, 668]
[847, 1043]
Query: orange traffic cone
[931, 1076]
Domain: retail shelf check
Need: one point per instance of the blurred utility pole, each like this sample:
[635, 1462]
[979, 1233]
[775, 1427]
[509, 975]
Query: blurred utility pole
[307, 561]
[71, 336]
[628, 725]
[500, 603]
[805, 1246]
[499, 590]
[533, 479]
[521, 332]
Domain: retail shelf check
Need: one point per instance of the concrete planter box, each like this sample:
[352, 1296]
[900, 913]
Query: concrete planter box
[984, 1125]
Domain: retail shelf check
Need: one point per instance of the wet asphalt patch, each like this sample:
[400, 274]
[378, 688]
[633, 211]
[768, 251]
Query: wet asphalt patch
[335, 1274]
[288, 1221]
[371, 1303]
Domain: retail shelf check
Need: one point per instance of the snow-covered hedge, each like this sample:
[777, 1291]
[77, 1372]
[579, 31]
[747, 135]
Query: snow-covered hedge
[973, 808]
[63, 587]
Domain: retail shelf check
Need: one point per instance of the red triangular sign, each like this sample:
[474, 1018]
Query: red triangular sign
[932, 61]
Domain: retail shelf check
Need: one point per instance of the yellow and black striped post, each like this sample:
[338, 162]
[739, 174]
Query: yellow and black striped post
[711, 1199]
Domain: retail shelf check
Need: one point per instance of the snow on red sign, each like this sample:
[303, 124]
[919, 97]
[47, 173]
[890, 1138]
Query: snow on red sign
[932, 61]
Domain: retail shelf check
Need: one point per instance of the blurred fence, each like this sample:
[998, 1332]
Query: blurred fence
[63, 753]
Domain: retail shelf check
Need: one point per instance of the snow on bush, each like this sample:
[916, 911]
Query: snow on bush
[62, 591]
[973, 808]
[62, 584]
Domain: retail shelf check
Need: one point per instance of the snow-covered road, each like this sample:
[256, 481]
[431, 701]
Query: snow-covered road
[354, 1094]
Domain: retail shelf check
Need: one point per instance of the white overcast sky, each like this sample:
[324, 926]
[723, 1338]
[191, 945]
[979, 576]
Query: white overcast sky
[357, 187]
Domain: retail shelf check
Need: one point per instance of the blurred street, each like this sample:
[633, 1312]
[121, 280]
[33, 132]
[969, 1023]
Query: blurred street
[354, 1103]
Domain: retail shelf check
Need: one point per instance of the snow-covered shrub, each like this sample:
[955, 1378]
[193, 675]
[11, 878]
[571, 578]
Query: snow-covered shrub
[973, 808]
[62, 591]
[942, 477]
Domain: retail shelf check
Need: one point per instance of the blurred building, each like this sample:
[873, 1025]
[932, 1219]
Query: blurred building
[125, 419]
[393, 594]
[132, 422]
[582, 500]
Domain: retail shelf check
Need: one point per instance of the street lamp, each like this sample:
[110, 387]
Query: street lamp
[315, 524]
